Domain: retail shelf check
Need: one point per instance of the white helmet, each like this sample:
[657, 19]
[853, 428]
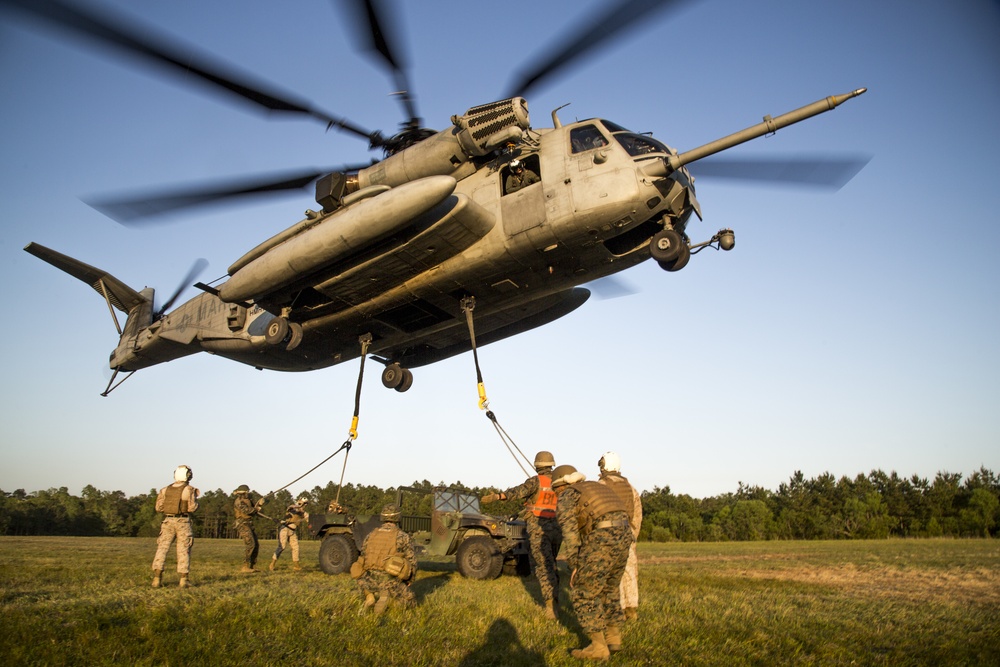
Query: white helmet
[183, 474]
[515, 164]
[302, 501]
[610, 462]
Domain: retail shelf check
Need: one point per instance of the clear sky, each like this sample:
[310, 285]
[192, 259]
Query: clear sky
[847, 331]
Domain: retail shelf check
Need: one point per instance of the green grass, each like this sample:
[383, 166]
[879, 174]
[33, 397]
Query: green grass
[88, 601]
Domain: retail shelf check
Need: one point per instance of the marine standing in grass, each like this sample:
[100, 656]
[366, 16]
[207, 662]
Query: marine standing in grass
[387, 565]
[245, 510]
[596, 540]
[611, 474]
[288, 532]
[177, 502]
[544, 536]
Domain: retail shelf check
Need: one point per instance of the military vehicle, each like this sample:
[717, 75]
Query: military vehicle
[483, 546]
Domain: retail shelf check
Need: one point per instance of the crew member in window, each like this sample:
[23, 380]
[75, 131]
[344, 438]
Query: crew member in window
[519, 177]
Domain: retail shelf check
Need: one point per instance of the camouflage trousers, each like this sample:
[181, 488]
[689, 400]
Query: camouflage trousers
[381, 584]
[174, 528]
[288, 537]
[250, 544]
[630, 581]
[544, 539]
[596, 592]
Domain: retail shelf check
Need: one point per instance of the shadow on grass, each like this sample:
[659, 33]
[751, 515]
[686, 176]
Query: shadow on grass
[502, 646]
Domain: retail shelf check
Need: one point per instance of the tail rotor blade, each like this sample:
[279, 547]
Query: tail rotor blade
[199, 265]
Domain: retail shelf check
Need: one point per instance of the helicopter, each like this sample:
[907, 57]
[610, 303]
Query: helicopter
[398, 253]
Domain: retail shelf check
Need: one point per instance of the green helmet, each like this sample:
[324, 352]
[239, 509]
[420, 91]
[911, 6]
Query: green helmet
[242, 488]
[544, 459]
[565, 474]
[391, 513]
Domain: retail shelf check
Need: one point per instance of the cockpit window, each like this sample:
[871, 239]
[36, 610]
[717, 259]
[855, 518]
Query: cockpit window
[586, 138]
[614, 127]
[637, 144]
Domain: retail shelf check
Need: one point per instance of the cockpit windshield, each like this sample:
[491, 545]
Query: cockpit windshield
[635, 144]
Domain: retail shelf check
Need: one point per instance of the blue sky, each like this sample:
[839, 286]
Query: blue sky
[847, 331]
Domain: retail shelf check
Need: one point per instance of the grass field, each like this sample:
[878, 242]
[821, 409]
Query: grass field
[88, 601]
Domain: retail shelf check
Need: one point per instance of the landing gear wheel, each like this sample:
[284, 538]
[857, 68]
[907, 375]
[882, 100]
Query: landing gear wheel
[392, 376]
[666, 246]
[479, 557]
[277, 330]
[294, 335]
[679, 263]
[407, 381]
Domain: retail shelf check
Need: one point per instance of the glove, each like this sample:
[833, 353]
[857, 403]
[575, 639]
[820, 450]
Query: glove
[490, 498]
[260, 503]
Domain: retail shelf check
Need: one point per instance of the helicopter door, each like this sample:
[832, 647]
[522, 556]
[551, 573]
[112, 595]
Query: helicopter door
[523, 209]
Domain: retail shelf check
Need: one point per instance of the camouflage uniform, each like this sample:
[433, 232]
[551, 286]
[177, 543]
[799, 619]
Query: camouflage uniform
[177, 501]
[515, 181]
[245, 511]
[544, 538]
[633, 505]
[288, 533]
[387, 540]
[596, 548]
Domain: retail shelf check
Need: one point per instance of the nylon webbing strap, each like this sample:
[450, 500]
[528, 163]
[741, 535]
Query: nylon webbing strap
[468, 303]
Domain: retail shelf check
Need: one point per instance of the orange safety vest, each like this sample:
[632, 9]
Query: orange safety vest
[546, 500]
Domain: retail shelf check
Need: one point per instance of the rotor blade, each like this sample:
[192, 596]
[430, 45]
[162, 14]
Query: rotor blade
[597, 31]
[199, 265]
[138, 209]
[381, 35]
[826, 172]
[161, 50]
[610, 287]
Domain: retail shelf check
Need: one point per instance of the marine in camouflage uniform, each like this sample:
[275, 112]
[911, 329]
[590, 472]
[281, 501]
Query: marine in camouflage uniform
[245, 510]
[177, 502]
[610, 467]
[544, 536]
[384, 576]
[596, 540]
[288, 535]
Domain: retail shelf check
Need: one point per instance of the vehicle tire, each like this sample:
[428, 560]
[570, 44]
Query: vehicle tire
[479, 558]
[666, 246]
[407, 381]
[277, 330]
[337, 553]
[392, 376]
[295, 335]
[679, 263]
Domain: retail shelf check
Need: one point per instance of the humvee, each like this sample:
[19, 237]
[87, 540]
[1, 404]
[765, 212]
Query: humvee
[484, 546]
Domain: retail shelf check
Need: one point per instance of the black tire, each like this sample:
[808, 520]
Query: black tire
[294, 335]
[392, 376]
[277, 330]
[679, 263]
[666, 246]
[337, 553]
[479, 558]
[407, 381]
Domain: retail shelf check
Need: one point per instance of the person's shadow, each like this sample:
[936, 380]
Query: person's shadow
[503, 648]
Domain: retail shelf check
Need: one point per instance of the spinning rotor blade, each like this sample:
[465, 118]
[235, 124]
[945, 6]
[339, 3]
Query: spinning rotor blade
[825, 172]
[199, 265]
[160, 50]
[135, 209]
[381, 35]
[604, 27]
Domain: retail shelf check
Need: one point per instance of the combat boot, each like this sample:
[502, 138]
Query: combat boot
[184, 582]
[274, 562]
[551, 612]
[383, 602]
[157, 578]
[296, 566]
[631, 613]
[613, 638]
[369, 600]
[247, 569]
[597, 650]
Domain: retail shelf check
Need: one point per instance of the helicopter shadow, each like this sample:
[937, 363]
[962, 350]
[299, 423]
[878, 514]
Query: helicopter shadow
[502, 646]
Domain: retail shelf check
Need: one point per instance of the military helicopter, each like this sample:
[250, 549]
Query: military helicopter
[397, 253]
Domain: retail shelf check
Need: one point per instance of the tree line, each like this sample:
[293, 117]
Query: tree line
[873, 506]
